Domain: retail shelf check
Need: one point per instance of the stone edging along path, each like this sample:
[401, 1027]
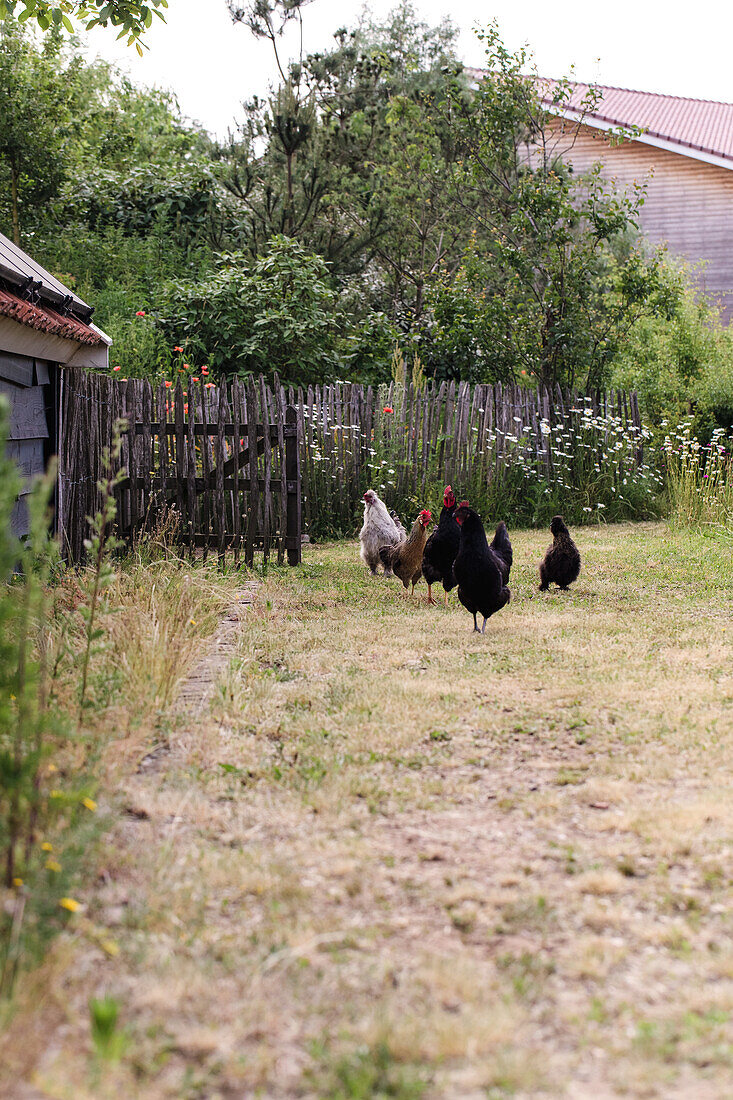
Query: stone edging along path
[197, 689]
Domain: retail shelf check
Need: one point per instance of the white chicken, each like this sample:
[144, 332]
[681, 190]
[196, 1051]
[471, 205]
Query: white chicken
[379, 530]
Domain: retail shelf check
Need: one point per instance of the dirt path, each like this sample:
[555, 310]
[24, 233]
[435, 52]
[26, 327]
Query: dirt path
[387, 858]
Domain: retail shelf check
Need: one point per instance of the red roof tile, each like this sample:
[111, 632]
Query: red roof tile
[47, 320]
[701, 124]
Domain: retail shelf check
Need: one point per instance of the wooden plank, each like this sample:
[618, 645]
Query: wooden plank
[191, 498]
[163, 449]
[213, 429]
[305, 468]
[133, 412]
[27, 412]
[254, 497]
[292, 470]
[237, 449]
[148, 457]
[205, 462]
[16, 368]
[283, 487]
[180, 456]
[221, 519]
[266, 465]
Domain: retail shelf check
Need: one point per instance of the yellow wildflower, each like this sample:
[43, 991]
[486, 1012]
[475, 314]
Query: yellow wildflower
[193, 622]
[70, 904]
[57, 794]
[17, 882]
[51, 768]
[52, 865]
[12, 698]
[110, 946]
[89, 803]
[46, 846]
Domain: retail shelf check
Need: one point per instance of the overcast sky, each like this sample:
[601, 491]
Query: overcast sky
[680, 49]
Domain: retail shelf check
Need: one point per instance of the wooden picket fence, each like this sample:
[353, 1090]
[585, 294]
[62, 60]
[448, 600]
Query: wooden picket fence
[223, 460]
[435, 434]
[247, 466]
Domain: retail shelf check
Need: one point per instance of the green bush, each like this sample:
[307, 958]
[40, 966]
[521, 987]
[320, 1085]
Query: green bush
[680, 366]
[278, 312]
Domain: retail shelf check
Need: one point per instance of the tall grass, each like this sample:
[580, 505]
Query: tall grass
[699, 480]
[36, 805]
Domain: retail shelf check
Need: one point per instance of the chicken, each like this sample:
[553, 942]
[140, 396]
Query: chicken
[379, 530]
[503, 550]
[405, 560]
[562, 560]
[442, 547]
[480, 569]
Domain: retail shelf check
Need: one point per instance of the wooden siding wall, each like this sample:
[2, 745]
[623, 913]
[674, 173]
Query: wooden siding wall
[689, 204]
[25, 383]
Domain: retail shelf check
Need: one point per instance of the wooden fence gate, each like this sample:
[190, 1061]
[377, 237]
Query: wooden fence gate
[221, 462]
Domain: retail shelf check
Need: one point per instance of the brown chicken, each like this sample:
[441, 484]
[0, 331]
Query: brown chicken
[405, 560]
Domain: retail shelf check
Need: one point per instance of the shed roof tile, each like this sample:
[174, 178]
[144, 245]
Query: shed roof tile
[47, 320]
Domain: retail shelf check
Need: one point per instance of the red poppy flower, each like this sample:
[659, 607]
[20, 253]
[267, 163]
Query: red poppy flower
[186, 366]
[140, 313]
[178, 349]
[194, 379]
[388, 409]
[204, 370]
[168, 384]
[116, 368]
[209, 385]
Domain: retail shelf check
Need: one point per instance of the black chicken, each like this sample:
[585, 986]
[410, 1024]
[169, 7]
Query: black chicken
[482, 571]
[502, 547]
[442, 547]
[562, 560]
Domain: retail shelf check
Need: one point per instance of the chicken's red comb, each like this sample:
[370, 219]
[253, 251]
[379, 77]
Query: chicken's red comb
[447, 490]
[426, 512]
[464, 504]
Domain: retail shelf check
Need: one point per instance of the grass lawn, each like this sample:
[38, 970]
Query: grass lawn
[398, 859]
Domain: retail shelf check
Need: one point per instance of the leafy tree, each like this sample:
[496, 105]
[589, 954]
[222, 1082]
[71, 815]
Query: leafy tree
[559, 277]
[41, 92]
[317, 159]
[134, 17]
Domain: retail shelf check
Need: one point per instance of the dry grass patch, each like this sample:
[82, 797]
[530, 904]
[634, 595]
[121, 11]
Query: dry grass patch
[400, 860]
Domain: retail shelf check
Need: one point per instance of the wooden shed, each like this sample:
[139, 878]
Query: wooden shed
[44, 327]
[684, 153]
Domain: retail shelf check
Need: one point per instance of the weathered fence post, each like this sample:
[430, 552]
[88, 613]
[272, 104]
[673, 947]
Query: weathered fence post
[292, 475]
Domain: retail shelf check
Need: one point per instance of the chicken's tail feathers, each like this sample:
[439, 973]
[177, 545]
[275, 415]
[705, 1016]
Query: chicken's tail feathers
[501, 543]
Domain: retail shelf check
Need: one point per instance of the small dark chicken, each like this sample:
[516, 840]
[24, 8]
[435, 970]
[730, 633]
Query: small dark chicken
[405, 559]
[562, 560]
[482, 571]
[442, 547]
